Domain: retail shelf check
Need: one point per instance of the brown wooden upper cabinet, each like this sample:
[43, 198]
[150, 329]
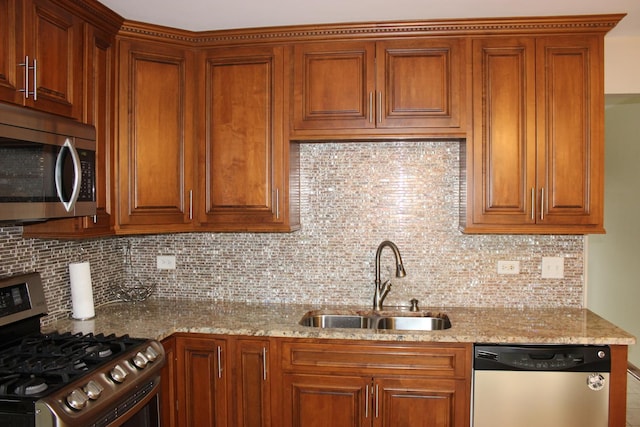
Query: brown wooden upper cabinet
[201, 147]
[535, 160]
[155, 169]
[412, 87]
[244, 161]
[41, 57]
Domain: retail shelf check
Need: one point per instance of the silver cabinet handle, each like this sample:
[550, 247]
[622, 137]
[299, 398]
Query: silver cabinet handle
[380, 107]
[371, 107]
[35, 80]
[25, 64]
[277, 203]
[264, 363]
[366, 401]
[542, 204]
[190, 204]
[533, 204]
[219, 362]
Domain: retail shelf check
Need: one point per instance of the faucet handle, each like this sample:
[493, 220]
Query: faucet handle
[414, 305]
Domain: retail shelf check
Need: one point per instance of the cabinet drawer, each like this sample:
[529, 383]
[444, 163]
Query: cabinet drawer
[440, 360]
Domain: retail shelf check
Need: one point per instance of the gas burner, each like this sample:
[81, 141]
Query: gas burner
[99, 350]
[31, 386]
[7, 383]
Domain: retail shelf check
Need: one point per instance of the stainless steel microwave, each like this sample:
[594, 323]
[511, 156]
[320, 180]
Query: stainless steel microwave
[47, 166]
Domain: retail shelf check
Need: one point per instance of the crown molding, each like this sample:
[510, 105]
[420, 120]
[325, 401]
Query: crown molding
[375, 30]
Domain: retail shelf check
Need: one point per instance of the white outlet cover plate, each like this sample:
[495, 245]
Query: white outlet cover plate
[552, 267]
[508, 267]
[166, 262]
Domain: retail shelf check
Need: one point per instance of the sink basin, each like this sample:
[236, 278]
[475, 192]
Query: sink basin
[336, 321]
[405, 322]
[414, 323]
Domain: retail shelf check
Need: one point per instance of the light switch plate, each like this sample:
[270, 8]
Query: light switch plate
[552, 267]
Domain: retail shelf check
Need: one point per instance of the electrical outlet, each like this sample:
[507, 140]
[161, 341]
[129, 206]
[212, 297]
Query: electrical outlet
[508, 267]
[166, 262]
[552, 267]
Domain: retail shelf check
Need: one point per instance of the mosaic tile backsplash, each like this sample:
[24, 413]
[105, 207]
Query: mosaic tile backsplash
[354, 196]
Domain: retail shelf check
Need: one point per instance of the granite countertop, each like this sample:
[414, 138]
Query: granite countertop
[159, 318]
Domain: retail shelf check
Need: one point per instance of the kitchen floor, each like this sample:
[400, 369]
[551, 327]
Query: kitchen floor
[633, 401]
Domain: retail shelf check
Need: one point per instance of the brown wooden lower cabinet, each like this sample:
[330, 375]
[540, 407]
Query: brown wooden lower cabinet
[202, 375]
[339, 383]
[240, 381]
[212, 380]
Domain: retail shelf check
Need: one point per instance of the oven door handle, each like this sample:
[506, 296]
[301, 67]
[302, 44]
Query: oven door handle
[77, 171]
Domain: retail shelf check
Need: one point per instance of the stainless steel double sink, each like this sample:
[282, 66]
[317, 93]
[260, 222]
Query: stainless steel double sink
[405, 321]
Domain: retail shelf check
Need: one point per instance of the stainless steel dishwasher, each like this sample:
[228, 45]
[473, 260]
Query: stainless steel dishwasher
[533, 386]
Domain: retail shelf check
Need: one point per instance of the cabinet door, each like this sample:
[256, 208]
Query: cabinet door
[251, 384]
[242, 157]
[54, 39]
[504, 139]
[202, 382]
[570, 129]
[168, 397]
[11, 49]
[420, 83]
[326, 401]
[155, 154]
[410, 402]
[51, 38]
[334, 85]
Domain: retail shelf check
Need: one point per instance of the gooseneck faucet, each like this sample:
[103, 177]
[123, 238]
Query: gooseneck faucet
[382, 289]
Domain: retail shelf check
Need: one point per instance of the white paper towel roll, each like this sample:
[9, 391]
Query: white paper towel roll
[84, 327]
[81, 291]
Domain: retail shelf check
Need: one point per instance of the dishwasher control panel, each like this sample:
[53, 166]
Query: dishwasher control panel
[542, 358]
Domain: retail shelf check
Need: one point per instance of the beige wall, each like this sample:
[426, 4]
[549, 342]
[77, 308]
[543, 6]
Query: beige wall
[613, 259]
[622, 65]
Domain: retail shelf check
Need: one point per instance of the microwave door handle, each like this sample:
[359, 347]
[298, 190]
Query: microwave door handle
[77, 176]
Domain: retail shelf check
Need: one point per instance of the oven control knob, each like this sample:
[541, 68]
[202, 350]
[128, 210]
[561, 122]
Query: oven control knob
[77, 399]
[151, 354]
[118, 374]
[93, 390]
[140, 360]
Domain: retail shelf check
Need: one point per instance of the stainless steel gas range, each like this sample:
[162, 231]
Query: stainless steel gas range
[70, 379]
